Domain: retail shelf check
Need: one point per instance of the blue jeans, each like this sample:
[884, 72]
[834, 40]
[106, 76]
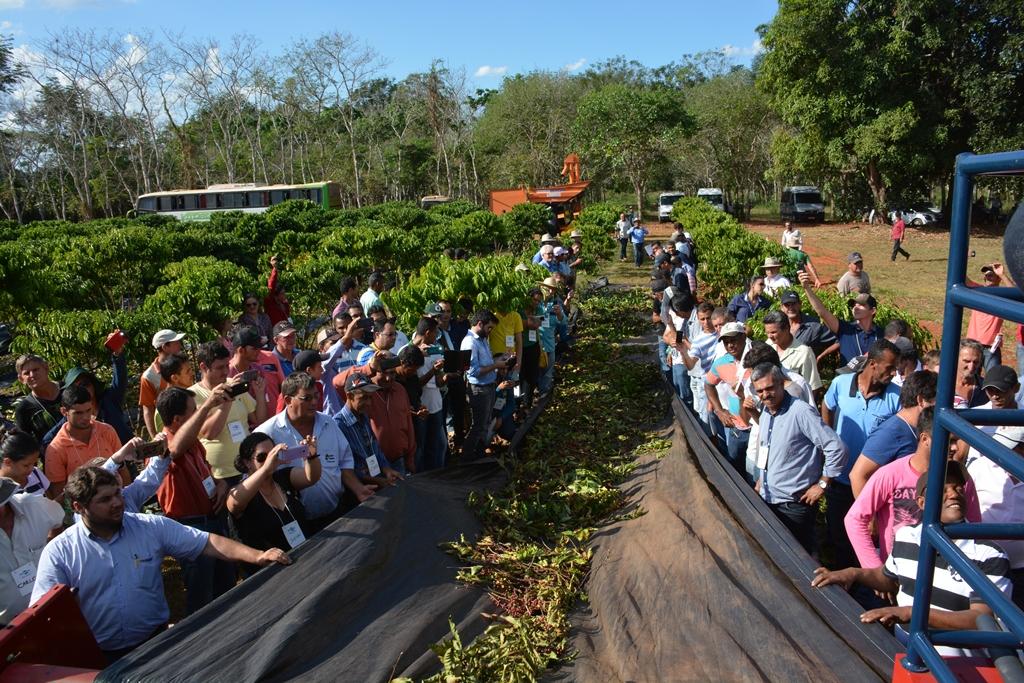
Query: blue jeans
[431, 441]
[547, 375]
[207, 578]
[638, 254]
[736, 449]
[799, 519]
[681, 381]
[622, 247]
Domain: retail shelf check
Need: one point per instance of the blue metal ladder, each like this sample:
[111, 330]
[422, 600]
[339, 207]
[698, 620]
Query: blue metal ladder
[1007, 303]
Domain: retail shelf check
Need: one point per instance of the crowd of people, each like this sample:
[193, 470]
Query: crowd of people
[863, 441]
[247, 445]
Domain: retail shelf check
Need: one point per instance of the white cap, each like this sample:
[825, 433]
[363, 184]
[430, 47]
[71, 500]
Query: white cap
[732, 329]
[165, 337]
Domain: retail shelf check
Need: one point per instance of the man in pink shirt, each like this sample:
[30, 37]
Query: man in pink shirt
[899, 230]
[890, 501]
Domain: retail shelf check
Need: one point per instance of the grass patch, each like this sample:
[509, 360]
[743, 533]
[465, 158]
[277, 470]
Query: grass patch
[533, 555]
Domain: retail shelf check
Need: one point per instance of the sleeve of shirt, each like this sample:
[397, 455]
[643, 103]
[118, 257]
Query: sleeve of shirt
[178, 541]
[114, 395]
[828, 441]
[810, 370]
[56, 464]
[145, 485]
[832, 396]
[890, 569]
[858, 524]
[712, 377]
[996, 566]
[49, 573]
[147, 395]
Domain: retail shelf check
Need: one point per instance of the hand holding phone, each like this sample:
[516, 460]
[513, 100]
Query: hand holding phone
[300, 452]
[237, 389]
[150, 449]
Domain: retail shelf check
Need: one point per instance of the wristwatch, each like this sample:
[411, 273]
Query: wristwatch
[823, 483]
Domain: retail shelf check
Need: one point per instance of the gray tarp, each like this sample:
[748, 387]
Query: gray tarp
[708, 586]
[364, 600]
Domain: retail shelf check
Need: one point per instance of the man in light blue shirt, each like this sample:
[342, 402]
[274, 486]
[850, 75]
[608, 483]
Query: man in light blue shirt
[300, 419]
[371, 297]
[113, 560]
[482, 376]
[798, 454]
[855, 405]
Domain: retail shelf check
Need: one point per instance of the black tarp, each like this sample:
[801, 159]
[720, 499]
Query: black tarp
[707, 585]
[364, 600]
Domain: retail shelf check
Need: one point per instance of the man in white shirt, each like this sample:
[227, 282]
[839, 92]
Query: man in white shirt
[622, 227]
[27, 522]
[795, 356]
[1001, 498]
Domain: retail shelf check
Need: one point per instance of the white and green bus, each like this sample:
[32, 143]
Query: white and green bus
[199, 205]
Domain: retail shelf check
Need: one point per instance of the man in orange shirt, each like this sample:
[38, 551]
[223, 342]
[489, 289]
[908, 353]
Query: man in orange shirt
[167, 343]
[984, 327]
[80, 440]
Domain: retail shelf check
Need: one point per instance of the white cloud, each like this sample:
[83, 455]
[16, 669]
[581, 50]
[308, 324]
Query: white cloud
[574, 66]
[11, 4]
[752, 50]
[488, 70]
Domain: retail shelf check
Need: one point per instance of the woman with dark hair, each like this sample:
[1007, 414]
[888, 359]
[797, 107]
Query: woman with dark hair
[265, 506]
[19, 457]
[254, 316]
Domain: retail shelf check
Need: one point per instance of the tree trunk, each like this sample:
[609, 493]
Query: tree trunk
[877, 185]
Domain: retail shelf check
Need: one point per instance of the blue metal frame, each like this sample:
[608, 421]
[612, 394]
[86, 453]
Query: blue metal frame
[1007, 303]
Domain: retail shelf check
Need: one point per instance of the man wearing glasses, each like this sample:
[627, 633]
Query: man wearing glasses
[338, 489]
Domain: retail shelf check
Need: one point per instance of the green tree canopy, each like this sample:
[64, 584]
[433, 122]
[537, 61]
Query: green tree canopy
[630, 129]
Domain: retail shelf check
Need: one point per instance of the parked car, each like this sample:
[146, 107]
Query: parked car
[802, 202]
[665, 202]
[916, 217]
[713, 196]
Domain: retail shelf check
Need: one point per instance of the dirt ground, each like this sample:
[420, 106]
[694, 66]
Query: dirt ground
[917, 284]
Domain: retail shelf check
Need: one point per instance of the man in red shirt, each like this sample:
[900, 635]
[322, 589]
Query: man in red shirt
[276, 304]
[248, 355]
[899, 229]
[390, 414]
[189, 493]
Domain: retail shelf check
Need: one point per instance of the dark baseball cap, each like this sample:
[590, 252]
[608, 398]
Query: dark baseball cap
[789, 297]
[283, 329]
[854, 257]
[246, 336]
[1001, 377]
[358, 382]
[304, 360]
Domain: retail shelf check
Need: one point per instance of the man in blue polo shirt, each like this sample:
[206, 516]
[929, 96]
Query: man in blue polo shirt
[854, 406]
[855, 338]
[113, 560]
[482, 376]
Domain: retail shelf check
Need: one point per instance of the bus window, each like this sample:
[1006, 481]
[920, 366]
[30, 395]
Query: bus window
[202, 201]
[191, 202]
[147, 204]
[277, 196]
[315, 196]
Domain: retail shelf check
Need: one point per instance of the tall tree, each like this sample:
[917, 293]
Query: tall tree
[893, 89]
[630, 129]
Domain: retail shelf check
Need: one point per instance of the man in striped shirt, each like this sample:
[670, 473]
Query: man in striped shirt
[955, 605]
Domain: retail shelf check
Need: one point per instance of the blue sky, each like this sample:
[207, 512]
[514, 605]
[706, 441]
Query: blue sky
[487, 39]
